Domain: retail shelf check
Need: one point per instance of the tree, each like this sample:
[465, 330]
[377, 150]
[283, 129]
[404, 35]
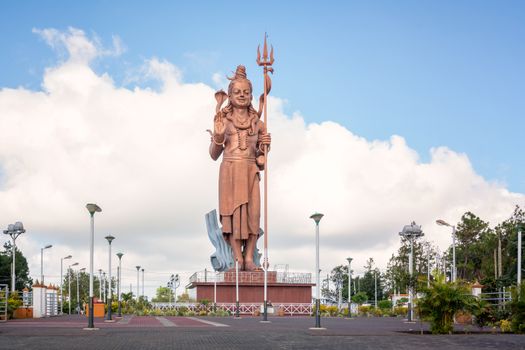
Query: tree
[22, 270]
[474, 248]
[396, 277]
[184, 298]
[368, 281]
[164, 295]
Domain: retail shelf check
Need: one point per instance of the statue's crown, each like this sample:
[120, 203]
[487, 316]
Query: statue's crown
[240, 73]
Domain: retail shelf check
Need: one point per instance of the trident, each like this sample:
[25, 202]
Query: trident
[266, 63]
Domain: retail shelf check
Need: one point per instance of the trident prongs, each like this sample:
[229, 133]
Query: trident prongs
[266, 61]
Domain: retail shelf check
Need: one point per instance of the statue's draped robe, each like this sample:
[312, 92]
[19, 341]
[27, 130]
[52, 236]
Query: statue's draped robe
[239, 194]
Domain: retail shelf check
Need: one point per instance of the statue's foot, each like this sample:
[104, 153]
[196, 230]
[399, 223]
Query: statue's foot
[250, 266]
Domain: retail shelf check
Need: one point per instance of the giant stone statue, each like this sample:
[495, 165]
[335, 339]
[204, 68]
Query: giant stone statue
[240, 136]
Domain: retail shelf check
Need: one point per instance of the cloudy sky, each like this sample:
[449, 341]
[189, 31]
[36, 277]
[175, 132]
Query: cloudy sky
[380, 115]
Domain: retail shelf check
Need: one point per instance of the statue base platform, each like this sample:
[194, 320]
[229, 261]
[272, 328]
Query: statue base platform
[283, 287]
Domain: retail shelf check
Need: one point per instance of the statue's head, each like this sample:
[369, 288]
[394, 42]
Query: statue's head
[240, 89]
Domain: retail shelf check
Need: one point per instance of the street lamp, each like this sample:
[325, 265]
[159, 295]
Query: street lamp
[444, 223]
[104, 288]
[61, 292]
[138, 273]
[411, 232]
[69, 273]
[119, 276]
[42, 276]
[14, 230]
[110, 239]
[520, 229]
[92, 208]
[143, 283]
[78, 289]
[317, 217]
[174, 282]
[100, 284]
[349, 287]
[42, 261]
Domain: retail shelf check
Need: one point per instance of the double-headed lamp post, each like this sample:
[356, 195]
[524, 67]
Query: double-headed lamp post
[14, 230]
[349, 287]
[411, 232]
[61, 278]
[119, 276]
[317, 217]
[69, 274]
[110, 239]
[92, 208]
[444, 223]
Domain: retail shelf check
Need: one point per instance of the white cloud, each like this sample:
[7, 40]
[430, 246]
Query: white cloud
[142, 155]
[77, 46]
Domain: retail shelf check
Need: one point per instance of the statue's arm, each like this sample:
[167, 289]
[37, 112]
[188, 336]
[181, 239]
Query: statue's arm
[264, 139]
[215, 149]
[218, 136]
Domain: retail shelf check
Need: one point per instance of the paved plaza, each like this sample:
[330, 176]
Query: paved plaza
[150, 332]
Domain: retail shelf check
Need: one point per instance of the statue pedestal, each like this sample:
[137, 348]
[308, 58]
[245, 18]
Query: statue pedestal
[283, 288]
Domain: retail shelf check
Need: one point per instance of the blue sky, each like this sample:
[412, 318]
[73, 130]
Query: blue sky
[441, 73]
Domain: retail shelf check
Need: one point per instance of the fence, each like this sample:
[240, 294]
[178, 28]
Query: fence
[281, 277]
[4, 291]
[244, 308]
[497, 298]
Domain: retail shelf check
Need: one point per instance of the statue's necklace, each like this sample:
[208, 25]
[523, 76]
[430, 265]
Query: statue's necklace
[241, 127]
[242, 139]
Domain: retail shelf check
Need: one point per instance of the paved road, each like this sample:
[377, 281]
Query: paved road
[246, 333]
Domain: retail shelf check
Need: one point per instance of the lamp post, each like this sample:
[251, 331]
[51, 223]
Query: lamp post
[61, 278]
[215, 291]
[173, 283]
[317, 217]
[92, 208]
[349, 287]
[99, 284]
[237, 288]
[78, 289]
[444, 223]
[143, 283]
[411, 232]
[119, 275]
[138, 272]
[375, 289]
[42, 278]
[110, 239]
[69, 273]
[14, 230]
[104, 288]
[520, 227]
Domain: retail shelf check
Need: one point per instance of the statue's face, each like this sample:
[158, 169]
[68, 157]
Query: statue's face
[241, 94]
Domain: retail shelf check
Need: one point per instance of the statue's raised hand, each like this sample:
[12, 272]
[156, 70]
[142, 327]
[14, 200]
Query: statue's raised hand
[219, 128]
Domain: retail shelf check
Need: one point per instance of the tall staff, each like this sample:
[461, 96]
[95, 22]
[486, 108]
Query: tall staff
[266, 63]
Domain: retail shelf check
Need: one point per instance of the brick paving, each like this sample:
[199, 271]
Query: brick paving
[149, 332]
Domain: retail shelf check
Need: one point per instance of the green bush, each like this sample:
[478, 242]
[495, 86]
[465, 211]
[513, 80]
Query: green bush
[384, 304]
[360, 298]
[517, 309]
[441, 302]
[364, 310]
[401, 311]
[376, 312]
[13, 303]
